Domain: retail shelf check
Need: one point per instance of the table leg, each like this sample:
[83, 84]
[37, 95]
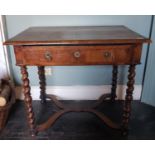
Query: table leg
[128, 99]
[42, 82]
[114, 82]
[28, 100]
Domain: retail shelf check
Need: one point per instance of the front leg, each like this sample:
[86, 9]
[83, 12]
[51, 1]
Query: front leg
[128, 99]
[28, 101]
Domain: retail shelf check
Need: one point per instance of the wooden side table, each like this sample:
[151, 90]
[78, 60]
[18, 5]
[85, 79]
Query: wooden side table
[73, 46]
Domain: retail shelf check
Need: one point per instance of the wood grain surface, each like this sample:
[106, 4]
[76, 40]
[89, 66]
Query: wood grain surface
[77, 55]
[76, 35]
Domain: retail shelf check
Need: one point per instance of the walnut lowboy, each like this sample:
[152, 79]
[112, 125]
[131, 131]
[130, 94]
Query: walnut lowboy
[74, 46]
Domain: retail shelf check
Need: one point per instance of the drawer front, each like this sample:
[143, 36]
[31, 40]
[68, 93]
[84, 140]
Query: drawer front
[77, 55]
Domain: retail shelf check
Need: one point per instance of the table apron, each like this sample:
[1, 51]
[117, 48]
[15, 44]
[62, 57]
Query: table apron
[78, 55]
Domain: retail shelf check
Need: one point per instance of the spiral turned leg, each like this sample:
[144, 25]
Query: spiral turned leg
[128, 99]
[114, 82]
[28, 100]
[41, 73]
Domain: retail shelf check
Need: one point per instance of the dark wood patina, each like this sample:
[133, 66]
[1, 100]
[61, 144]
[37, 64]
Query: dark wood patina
[73, 46]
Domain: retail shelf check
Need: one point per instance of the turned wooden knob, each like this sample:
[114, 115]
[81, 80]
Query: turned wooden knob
[77, 54]
[48, 56]
[2, 101]
[107, 54]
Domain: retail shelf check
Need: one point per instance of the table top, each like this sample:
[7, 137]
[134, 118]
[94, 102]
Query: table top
[77, 35]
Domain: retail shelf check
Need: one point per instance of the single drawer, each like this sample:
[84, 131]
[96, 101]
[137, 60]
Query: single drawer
[77, 55]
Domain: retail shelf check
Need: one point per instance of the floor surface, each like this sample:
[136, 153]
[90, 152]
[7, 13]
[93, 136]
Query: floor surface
[81, 126]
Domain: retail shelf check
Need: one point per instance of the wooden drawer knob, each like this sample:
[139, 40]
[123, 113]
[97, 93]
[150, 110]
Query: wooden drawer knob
[107, 54]
[48, 56]
[77, 54]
